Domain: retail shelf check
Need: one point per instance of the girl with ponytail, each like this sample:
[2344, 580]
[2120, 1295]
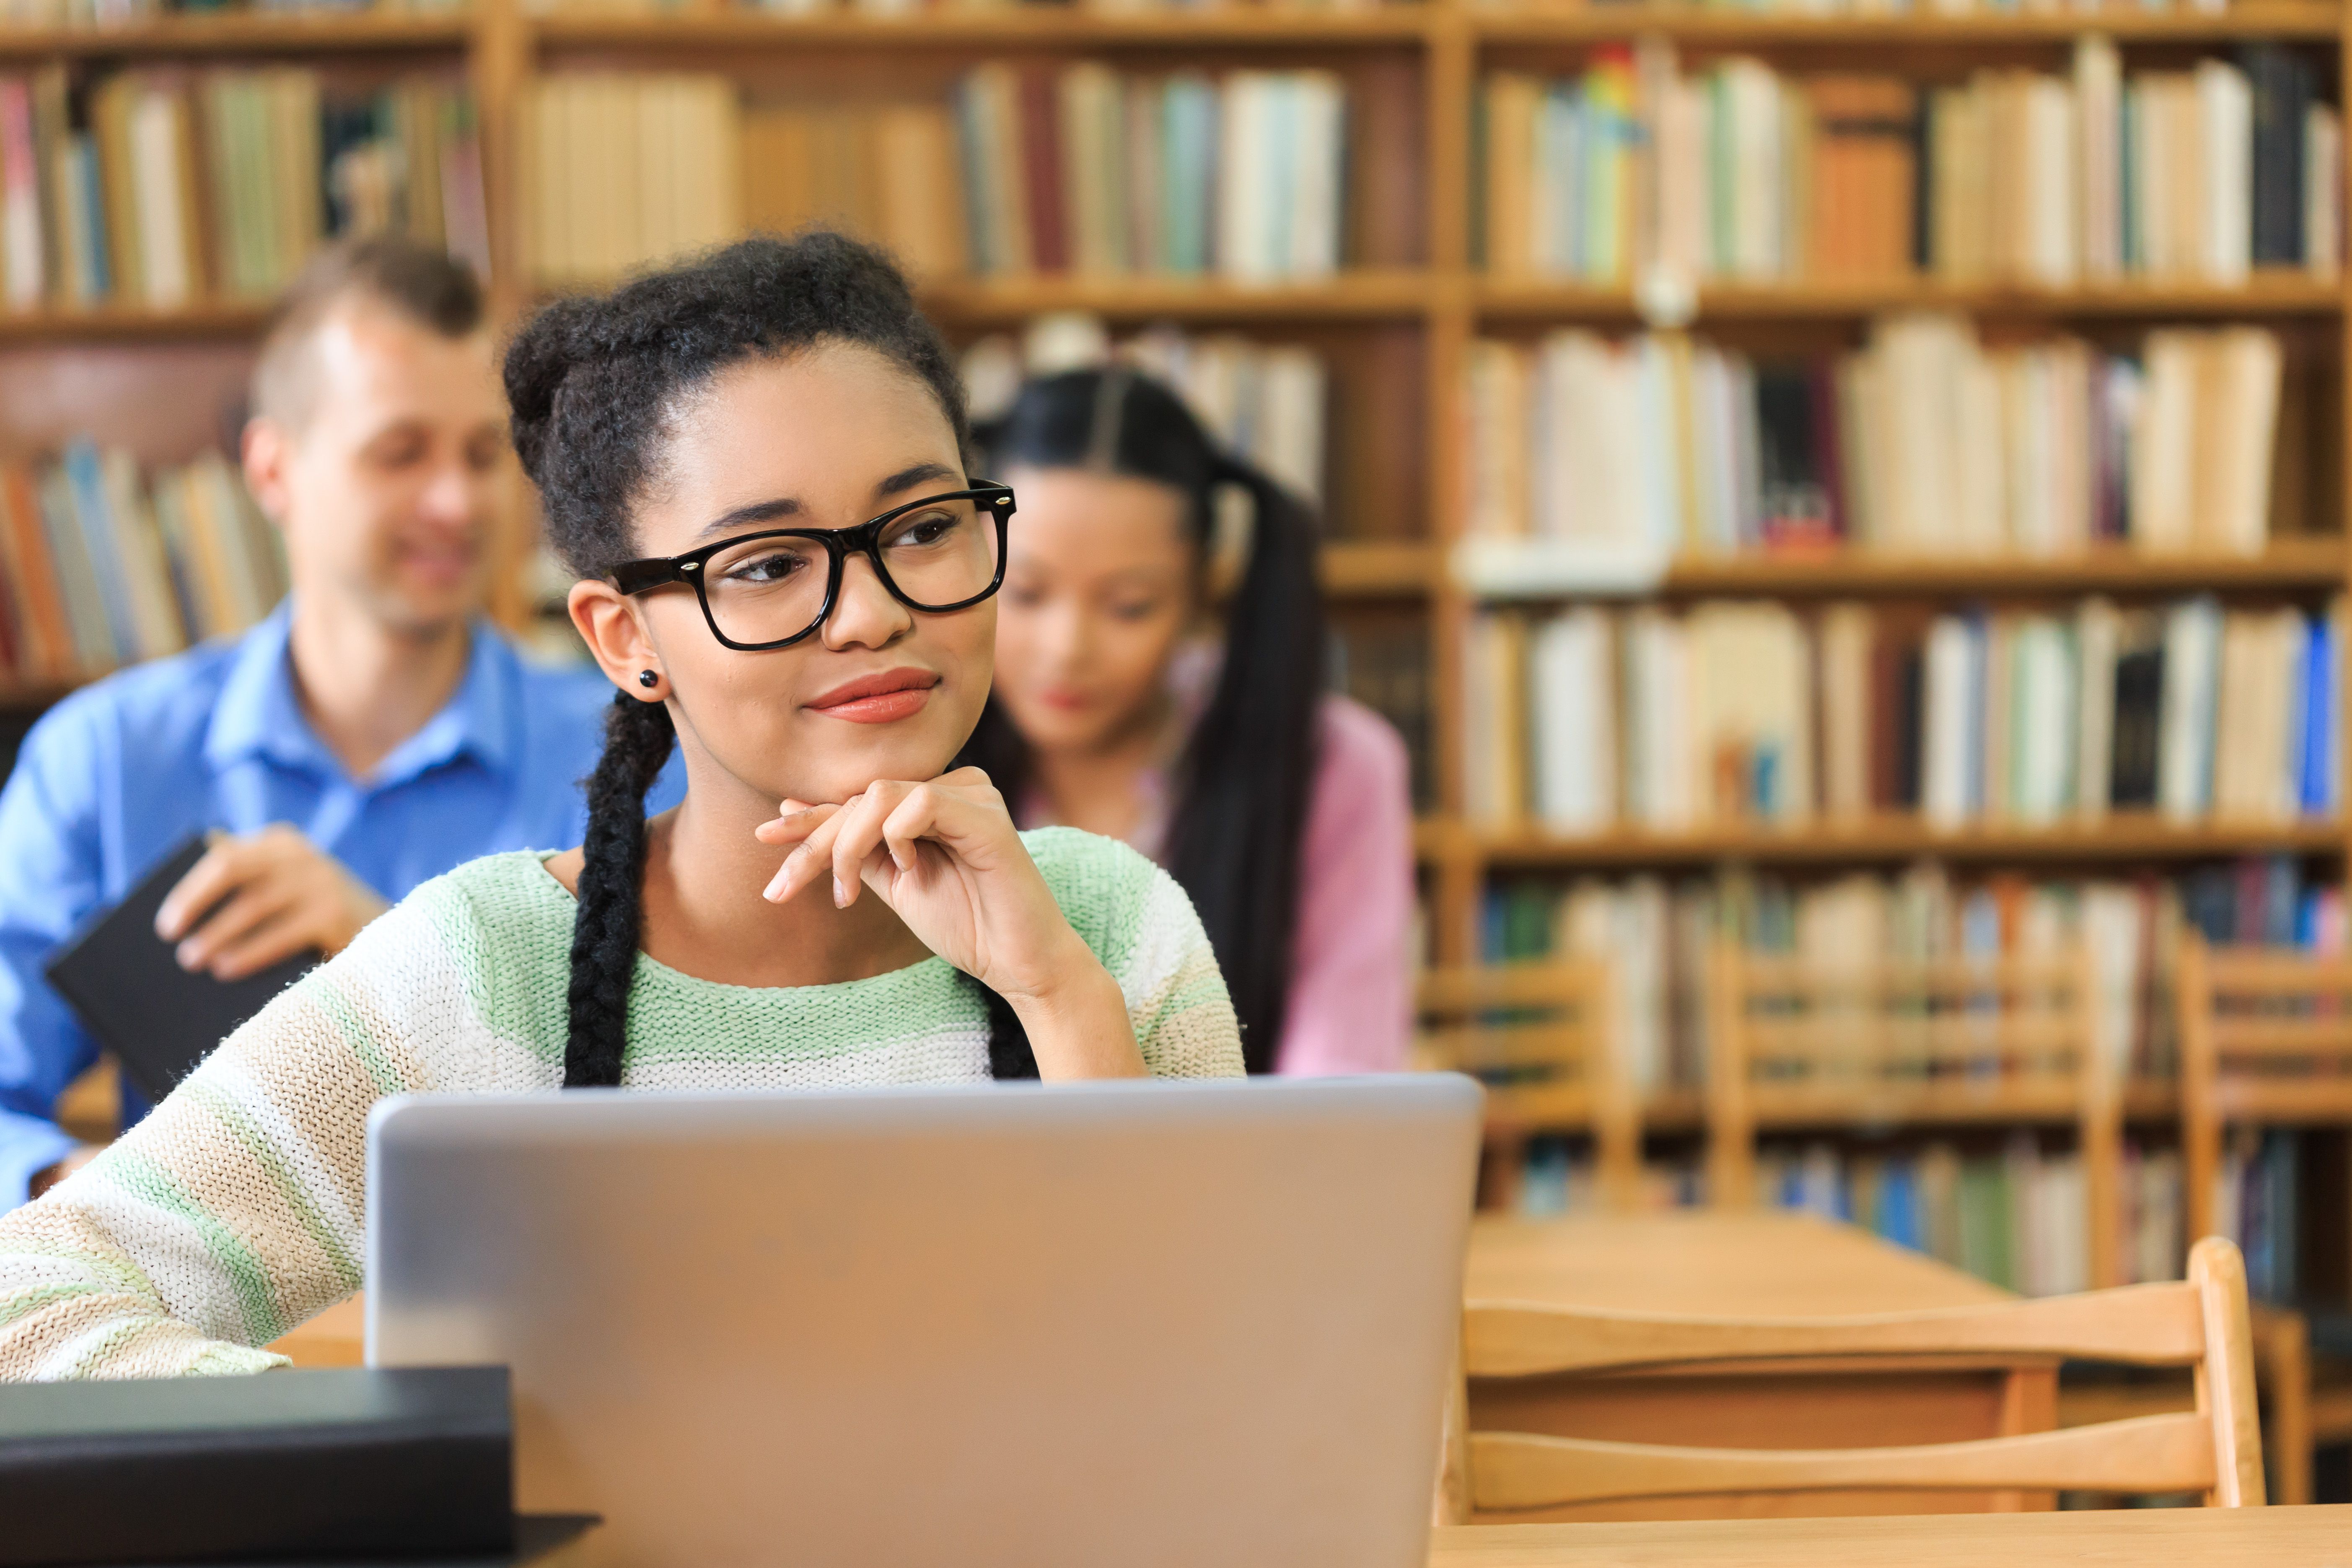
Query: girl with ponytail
[1160, 678]
[756, 466]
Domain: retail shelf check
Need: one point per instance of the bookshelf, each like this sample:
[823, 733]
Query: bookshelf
[1401, 322]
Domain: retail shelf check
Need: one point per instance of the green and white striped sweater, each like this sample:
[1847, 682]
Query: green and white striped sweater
[236, 1210]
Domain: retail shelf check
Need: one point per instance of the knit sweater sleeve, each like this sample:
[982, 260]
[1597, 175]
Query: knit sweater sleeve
[237, 1209]
[1140, 924]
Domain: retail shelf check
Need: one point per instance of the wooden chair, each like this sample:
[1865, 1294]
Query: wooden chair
[1913, 1043]
[2201, 1323]
[2266, 1041]
[1541, 1038]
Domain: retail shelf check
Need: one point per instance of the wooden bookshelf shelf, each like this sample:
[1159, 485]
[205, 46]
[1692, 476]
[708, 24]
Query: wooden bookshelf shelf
[1027, 27]
[1689, 23]
[108, 324]
[2122, 836]
[1363, 295]
[1379, 570]
[2311, 565]
[2269, 293]
[273, 33]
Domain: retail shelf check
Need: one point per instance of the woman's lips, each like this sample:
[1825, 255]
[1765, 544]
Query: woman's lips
[882, 710]
[879, 699]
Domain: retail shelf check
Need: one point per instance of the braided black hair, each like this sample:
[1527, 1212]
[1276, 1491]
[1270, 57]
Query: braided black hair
[1243, 782]
[593, 383]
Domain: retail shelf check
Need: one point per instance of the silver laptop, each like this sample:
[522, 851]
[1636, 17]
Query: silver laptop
[1130, 1324]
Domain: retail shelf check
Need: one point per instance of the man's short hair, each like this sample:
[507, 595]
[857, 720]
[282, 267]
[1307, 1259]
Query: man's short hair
[421, 283]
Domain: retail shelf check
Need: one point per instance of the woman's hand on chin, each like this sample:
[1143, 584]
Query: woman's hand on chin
[944, 854]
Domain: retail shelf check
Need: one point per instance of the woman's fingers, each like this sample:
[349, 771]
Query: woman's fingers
[792, 822]
[861, 836]
[909, 822]
[889, 817]
[799, 867]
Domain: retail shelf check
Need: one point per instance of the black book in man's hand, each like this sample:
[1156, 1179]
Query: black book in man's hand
[157, 1018]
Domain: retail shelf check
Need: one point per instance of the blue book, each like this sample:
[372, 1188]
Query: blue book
[95, 521]
[2319, 715]
[1188, 121]
[1281, 155]
[1895, 1215]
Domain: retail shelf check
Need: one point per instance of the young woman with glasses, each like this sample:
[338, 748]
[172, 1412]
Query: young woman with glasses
[756, 466]
[1160, 678]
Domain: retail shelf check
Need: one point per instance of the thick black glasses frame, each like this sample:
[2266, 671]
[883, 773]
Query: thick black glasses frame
[866, 539]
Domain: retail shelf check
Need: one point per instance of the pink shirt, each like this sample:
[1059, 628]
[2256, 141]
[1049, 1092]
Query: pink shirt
[1351, 953]
[1350, 1007]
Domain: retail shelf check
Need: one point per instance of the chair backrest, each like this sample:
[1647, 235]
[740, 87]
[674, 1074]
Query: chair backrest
[1794, 1042]
[1541, 1038]
[2201, 1323]
[2265, 1037]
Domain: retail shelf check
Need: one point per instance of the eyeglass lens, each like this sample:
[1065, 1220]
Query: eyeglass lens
[765, 590]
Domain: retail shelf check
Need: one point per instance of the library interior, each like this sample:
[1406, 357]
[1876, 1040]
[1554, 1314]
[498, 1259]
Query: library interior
[1764, 582]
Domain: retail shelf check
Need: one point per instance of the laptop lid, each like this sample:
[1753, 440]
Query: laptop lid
[1197, 1323]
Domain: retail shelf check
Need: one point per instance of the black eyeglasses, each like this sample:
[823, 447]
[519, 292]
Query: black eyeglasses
[769, 590]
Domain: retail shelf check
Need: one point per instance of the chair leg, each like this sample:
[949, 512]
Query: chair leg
[2283, 1347]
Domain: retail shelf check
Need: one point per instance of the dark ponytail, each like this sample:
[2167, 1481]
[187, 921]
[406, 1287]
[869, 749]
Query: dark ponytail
[593, 383]
[638, 738]
[1243, 785]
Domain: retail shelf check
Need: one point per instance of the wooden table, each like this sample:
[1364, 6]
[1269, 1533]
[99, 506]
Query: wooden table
[1769, 1264]
[2204, 1537]
[336, 1336]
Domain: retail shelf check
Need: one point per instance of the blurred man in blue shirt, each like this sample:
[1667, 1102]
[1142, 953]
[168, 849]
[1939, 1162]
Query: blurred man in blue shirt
[372, 733]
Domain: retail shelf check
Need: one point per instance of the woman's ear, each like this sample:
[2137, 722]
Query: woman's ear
[609, 624]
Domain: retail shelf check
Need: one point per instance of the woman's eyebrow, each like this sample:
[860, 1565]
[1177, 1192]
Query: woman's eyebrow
[760, 512]
[916, 474]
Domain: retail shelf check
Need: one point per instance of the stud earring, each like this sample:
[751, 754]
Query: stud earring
[648, 680]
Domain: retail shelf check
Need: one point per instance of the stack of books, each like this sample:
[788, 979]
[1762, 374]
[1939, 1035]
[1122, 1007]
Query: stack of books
[176, 186]
[1084, 169]
[1924, 442]
[1742, 173]
[99, 568]
[623, 171]
[1266, 403]
[1749, 713]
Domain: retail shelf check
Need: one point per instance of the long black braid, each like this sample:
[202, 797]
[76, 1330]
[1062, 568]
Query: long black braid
[593, 383]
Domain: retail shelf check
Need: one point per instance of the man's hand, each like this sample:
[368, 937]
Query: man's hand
[48, 1176]
[278, 894]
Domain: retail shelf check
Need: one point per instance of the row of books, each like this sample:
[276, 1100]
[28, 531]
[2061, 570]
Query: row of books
[1657, 935]
[917, 9]
[622, 170]
[1264, 401]
[1086, 169]
[1749, 711]
[100, 567]
[1923, 441]
[177, 185]
[129, 13]
[1029, 169]
[1742, 172]
[2016, 1218]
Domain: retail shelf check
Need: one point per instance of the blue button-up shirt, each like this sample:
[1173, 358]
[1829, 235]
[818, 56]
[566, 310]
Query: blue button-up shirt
[119, 771]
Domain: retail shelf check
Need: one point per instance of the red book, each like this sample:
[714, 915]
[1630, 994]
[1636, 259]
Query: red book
[1041, 170]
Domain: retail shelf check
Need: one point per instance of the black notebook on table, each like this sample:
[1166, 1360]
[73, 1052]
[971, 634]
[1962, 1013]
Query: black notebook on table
[157, 1018]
